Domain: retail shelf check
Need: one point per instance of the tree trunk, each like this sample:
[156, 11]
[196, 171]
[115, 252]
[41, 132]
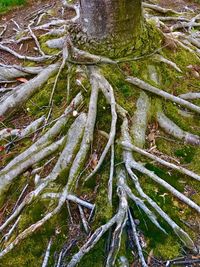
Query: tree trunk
[115, 23]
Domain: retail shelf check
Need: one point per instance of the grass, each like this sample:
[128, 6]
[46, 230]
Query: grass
[5, 5]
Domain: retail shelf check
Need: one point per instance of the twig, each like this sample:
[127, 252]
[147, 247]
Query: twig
[20, 197]
[36, 40]
[47, 254]
[110, 182]
[137, 242]
[83, 219]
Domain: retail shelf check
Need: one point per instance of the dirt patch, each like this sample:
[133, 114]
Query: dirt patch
[17, 21]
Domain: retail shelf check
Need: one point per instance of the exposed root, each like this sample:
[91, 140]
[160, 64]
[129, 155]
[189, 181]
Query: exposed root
[19, 56]
[36, 41]
[159, 8]
[63, 163]
[78, 140]
[171, 128]
[47, 254]
[102, 82]
[160, 58]
[87, 138]
[9, 72]
[21, 133]
[190, 96]
[184, 25]
[147, 87]
[130, 164]
[24, 92]
[140, 119]
[119, 219]
[161, 161]
[8, 176]
[46, 139]
[136, 239]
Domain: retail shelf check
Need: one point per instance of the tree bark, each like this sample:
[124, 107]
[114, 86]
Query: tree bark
[115, 23]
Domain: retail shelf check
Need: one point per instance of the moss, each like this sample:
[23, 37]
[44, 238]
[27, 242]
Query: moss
[6, 5]
[49, 51]
[105, 213]
[168, 249]
[96, 256]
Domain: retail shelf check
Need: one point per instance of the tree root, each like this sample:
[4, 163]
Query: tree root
[190, 96]
[140, 119]
[130, 164]
[25, 91]
[174, 130]
[77, 142]
[63, 163]
[147, 87]
[22, 133]
[45, 139]
[7, 178]
[102, 82]
[34, 59]
[8, 72]
[159, 8]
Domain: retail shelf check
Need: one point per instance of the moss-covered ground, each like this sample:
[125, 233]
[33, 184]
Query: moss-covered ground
[31, 251]
[6, 5]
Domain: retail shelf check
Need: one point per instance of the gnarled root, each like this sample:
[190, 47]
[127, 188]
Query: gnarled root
[174, 130]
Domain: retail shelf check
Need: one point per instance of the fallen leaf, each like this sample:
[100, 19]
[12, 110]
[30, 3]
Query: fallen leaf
[94, 160]
[150, 256]
[22, 80]
[2, 148]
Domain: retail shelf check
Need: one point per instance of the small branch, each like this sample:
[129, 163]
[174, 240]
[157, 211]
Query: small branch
[137, 241]
[36, 40]
[30, 58]
[47, 254]
[160, 58]
[159, 8]
[83, 219]
[110, 181]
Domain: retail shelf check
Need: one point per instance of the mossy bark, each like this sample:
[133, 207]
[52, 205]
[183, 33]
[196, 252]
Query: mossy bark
[114, 26]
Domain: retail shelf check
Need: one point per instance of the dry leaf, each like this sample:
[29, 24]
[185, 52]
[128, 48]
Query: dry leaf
[2, 148]
[22, 80]
[94, 160]
[150, 256]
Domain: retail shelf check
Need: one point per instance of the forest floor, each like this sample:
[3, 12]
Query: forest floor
[20, 17]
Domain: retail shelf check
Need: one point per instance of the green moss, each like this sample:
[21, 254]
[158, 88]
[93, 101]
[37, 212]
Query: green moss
[105, 213]
[168, 249]
[49, 51]
[6, 5]
[96, 256]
